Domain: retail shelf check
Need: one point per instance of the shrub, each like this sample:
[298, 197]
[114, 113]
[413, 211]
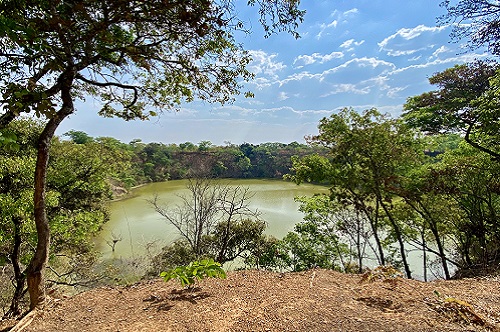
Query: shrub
[197, 270]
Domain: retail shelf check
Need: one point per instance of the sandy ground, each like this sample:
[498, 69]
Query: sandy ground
[317, 300]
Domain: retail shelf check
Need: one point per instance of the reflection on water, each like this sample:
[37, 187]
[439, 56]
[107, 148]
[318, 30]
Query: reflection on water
[135, 222]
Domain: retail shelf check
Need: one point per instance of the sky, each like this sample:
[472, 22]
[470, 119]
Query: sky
[357, 53]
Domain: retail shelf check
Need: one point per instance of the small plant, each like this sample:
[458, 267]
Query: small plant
[456, 310]
[383, 273]
[197, 270]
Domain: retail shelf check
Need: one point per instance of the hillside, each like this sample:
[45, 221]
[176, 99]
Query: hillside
[318, 300]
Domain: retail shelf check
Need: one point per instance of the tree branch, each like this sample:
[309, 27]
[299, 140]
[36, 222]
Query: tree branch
[495, 155]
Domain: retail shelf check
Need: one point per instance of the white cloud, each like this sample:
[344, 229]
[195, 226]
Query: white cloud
[394, 92]
[339, 18]
[347, 88]
[356, 63]
[402, 42]
[283, 96]
[415, 58]
[324, 26]
[410, 33]
[439, 51]
[364, 62]
[317, 57]
[299, 77]
[351, 42]
[451, 60]
[264, 63]
[351, 11]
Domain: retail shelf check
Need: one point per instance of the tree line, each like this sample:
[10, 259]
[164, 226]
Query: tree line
[428, 180]
[154, 162]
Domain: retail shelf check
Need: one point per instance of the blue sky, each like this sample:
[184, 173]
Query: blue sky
[356, 53]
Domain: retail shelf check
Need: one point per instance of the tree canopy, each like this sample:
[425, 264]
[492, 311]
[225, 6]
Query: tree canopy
[465, 102]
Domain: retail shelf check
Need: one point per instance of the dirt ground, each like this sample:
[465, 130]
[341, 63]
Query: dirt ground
[317, 300]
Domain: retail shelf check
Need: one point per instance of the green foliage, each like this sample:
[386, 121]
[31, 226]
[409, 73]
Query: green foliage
[177, 253]
[79, 137]
[197, 270]
[465, 102]
[368, 157]
[8, 141]
[233, 239]
[76, 195]
[471, 180]
[266, 254]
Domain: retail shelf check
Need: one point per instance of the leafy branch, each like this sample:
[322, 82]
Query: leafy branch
[197, 270]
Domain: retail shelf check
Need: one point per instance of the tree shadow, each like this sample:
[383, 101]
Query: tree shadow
[161, 303]
[191, 295]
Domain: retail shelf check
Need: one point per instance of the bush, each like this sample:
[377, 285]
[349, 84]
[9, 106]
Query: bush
[197, 270]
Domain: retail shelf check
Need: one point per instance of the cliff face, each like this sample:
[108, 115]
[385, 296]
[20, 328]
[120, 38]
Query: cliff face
[317, 300]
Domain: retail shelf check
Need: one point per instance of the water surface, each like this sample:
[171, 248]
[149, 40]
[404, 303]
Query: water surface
[139, 226]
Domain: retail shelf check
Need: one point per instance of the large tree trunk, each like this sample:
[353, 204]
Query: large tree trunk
[36, 269]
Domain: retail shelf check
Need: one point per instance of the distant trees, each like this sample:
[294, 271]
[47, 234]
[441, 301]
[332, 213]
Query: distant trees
[159, 162]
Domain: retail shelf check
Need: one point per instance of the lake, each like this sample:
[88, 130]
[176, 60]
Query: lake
[141, 228]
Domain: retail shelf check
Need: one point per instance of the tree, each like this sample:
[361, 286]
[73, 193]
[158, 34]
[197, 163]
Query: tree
[214, 220]
[471, 181]
[343, 233]
[368, 156]
[204, 145]
[79, 137]
[464, 103]
[77, 190]
[136, 57]
[476, 20]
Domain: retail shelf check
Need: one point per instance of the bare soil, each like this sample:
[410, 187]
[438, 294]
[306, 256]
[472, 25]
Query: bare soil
[316, 300]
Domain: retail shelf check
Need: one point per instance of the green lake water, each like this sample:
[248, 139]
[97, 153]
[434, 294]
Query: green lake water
[137, 224]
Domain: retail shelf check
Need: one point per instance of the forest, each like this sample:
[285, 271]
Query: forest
[428, 179]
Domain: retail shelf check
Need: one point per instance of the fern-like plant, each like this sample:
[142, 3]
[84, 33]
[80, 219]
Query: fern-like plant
[197, 270]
